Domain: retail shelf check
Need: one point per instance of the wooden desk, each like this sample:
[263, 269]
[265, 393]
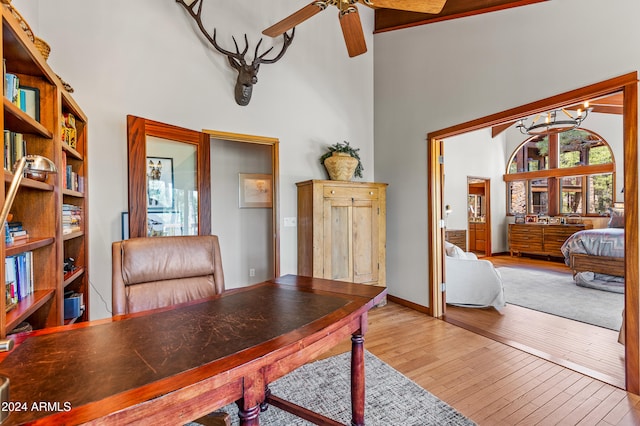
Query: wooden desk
[174, 365]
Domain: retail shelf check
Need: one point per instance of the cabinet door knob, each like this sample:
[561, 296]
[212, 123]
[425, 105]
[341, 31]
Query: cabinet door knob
[371, 193]
[333, 192]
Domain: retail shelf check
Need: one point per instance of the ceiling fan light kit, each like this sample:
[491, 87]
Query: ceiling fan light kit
[349, 17]
[554, 122]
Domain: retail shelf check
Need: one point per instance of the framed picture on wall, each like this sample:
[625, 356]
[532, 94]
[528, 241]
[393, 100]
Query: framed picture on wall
[255, 190]
[125, 225]
[159, 184]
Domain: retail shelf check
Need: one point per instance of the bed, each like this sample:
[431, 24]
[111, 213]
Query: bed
[600, 251]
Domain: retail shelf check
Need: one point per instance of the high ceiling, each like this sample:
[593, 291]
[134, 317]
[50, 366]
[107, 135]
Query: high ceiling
[390, 19]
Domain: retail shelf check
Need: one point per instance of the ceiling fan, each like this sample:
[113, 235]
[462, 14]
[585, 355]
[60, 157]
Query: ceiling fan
[349, 18]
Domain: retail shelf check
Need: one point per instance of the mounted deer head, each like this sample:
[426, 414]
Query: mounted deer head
[247, 73]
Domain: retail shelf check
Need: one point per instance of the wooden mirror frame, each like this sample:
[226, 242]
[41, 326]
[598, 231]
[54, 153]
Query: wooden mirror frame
[137, 131]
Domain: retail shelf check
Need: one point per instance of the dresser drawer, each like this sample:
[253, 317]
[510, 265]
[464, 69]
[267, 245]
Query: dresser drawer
[350, 192]
[526, 246]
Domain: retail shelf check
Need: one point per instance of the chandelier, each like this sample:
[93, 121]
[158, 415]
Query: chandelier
[556, 121]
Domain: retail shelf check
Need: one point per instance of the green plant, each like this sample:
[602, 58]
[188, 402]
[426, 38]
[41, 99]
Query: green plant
[345, 148]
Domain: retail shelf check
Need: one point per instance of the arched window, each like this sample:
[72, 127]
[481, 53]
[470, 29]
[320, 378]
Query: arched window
[564, 173]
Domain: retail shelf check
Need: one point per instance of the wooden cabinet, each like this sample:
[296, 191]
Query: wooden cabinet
[456, 237]
[477, 236]
[540, 239]
[39, 204]
[342, 230]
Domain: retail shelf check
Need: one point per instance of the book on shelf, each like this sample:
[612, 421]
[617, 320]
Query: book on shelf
[71, 218]
[11, 88]
[72, 179]
[15, 147]
[63, 168]
[7, 235]
[30, 101]
[17, 234]
[19, 271]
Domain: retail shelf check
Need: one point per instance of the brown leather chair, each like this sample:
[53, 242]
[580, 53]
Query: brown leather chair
[149, 273]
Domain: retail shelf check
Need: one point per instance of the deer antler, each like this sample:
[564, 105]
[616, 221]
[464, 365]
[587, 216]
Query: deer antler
[247, 73]
[287, 42]
[238, 56]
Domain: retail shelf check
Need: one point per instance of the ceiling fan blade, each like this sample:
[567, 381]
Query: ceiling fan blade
[294, 19]
[421, 6]
[352, 32]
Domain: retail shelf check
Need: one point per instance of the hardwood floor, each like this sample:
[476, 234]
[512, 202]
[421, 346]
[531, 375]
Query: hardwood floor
[588, 349]
[490, 382]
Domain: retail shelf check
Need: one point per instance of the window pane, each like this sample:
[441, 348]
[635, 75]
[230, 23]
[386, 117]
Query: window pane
[539, 196]
[600, 155]
[600, 193]
[580, 148]
[571, 190]
[517, 197]
[532, 156]
[172, 190]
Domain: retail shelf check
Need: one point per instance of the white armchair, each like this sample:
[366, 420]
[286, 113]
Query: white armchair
[471, 282]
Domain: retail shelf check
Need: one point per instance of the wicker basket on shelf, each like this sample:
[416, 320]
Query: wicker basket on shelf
[43, 47]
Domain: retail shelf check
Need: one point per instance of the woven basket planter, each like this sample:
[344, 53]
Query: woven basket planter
[341, 166]
[43, 47]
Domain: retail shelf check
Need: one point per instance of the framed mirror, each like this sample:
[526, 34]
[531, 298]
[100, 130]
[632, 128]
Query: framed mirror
[169, 180]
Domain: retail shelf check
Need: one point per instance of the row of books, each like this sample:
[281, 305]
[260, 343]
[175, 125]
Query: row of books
[18, 277]
[15, 233]
[70, 179]
[71, 218]
[15, 147]
[25, 98]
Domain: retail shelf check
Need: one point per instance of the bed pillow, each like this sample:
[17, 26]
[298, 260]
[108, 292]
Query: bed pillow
[616, 217]
[453, 250]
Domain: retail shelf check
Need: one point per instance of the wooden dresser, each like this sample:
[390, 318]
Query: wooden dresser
[457, 237]
[342, 230]
[477, 236]
[540, 239]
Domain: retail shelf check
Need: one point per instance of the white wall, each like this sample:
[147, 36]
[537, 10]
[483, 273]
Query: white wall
[147, 58]
[476, 154]
[434, 76]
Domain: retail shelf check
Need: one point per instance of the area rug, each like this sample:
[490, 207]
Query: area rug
[324, 386]
[556, 293]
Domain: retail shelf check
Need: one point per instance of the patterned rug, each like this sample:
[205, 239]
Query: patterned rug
[391, 398]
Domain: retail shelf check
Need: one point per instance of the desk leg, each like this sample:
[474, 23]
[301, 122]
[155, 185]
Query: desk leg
[253, 396]
[357, 379]
[248, 417]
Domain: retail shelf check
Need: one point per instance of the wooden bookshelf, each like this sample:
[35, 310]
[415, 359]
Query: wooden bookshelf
[38, 205]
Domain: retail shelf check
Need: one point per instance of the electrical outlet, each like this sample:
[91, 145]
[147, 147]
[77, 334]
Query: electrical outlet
[252, 272]
[290, 222]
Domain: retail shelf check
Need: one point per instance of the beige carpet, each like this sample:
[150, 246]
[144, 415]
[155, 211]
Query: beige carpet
[557, 294]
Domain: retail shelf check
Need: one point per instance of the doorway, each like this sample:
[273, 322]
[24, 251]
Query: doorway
[244, 205]
[627, 85]
[479, 215]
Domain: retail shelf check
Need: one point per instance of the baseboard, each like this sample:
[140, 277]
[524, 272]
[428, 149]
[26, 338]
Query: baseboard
[410, 305]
